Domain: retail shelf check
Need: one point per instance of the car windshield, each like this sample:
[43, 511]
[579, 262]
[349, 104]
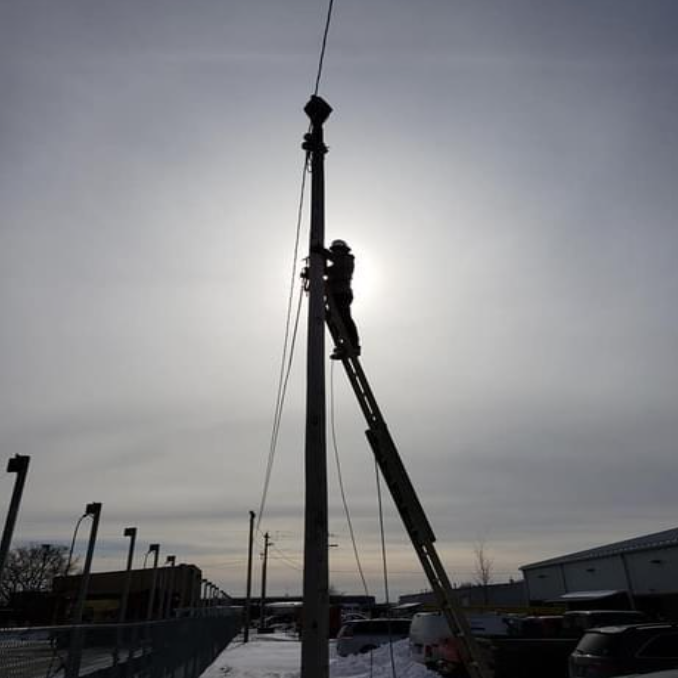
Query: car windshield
[598, 644]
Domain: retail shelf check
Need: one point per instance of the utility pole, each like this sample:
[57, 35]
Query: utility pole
[248, 598]
[130, 532]
[155, 550]
[262, 608]
[17, 464]
[315, 626]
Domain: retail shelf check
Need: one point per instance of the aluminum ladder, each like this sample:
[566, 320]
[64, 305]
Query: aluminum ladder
[406, 500]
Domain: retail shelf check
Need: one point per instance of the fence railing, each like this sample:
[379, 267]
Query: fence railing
[174, 648]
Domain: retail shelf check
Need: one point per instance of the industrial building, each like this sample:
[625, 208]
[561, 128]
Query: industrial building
[640, 573]
[166, 590]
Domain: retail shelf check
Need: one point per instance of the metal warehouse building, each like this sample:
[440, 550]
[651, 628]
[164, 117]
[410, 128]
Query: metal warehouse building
[641, 573]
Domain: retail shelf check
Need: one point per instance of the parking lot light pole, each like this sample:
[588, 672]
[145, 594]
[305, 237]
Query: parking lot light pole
[94, 511]
[155, 550]
[169, 594]
[203, 593]
[130, 532]
[17, 464]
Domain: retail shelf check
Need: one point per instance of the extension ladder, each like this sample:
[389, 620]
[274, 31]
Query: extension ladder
[406, 500]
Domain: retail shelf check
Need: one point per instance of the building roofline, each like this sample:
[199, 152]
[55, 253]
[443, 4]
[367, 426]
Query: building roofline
[656, 540]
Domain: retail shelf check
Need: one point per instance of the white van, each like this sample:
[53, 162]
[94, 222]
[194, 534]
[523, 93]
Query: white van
[427, 631]
[430, 634]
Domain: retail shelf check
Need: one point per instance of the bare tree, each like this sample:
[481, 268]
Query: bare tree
[32, 568]
[483, 568]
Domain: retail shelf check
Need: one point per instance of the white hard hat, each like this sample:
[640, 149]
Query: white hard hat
[339, 245]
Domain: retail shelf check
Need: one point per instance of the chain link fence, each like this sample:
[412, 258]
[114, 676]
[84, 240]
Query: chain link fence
[174, 648]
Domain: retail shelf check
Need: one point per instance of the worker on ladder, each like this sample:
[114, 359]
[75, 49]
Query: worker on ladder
[338, 278]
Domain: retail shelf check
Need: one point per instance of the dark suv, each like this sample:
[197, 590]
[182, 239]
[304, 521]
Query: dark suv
[622, 650]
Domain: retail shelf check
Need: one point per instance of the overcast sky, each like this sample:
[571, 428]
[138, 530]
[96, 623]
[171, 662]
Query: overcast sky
[506, 176]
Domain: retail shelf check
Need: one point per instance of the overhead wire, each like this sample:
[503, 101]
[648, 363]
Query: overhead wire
[287, 352]
[282, 556]
[289, 341]
[383, 558]
[341, 484]
[324, 45]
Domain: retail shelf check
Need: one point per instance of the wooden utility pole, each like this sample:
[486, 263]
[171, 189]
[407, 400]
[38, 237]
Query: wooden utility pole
[262, 608]
[248, 598]
[315, 624]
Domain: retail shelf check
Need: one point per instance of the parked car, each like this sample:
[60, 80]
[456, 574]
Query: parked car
[576, 622]
[536, 626]
[625, 650]
[363, 635]
[671, 673]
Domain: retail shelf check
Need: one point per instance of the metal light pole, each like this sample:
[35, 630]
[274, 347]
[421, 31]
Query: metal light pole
[130, 532]
[248, 598]
[46, 548]
[203, 593]
[155, 550]
[315, 626]
[17, 464]
[75, 653]
[94, 511]
[262, 607]
[169, 594]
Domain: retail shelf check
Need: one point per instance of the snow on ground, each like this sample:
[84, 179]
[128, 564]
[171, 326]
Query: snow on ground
[279, 656]
[358, 665]
[273, 656]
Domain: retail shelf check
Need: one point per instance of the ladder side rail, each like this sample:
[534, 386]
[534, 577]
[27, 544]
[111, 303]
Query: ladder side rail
[455, 616]
[422, 537]
[398, 481]
[368, 402]
[407, 501]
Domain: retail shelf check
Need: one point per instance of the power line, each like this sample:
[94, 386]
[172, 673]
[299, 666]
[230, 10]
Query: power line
[287, 352]
[383, 556]
[341, 483]
[290, 340]
[324, 45]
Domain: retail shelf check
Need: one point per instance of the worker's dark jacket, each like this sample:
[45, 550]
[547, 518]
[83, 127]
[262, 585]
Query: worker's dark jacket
[340, 273]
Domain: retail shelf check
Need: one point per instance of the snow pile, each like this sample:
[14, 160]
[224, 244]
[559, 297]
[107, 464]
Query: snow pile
[279, 656]
[359, 666]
